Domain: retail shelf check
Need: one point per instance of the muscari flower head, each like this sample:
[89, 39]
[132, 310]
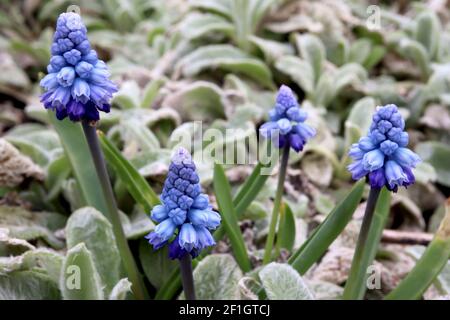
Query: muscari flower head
[185, 216]
[77, 84]
[286, 125]
[382, 155]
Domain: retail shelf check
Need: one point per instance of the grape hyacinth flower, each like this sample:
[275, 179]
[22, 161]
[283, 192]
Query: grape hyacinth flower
[382, 156]
[185, 216]
[286, 126]
[286, 129]
[77, 84]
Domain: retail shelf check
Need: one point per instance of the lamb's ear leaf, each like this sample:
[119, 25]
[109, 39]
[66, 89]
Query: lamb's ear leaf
[216, 277]
[90, 227]
[120, 290]
[79, 278]
[282, 282]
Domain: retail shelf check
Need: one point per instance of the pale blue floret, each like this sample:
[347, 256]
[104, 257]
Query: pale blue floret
[187, 209]
[286, 125]
[382, 155]
[77, 84]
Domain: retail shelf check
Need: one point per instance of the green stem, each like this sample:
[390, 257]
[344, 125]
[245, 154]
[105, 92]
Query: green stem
[113, 212]
[373, 224]
[187, 277]
[276, 205]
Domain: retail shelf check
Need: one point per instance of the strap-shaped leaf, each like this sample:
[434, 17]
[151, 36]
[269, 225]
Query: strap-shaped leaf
[356, 284]
[327, 231]
[429, 265]
[229, 218]
[77, 151]
[138, 187]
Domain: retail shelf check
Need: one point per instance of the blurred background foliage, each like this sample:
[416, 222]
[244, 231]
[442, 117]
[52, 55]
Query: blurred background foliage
[220, 62]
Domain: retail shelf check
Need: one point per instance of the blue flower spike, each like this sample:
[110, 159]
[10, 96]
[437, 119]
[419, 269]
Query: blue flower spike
[77, 84]
[185, 215]
[382, 156]
[286, 124]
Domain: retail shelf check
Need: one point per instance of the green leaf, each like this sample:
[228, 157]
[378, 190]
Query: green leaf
[250, 189]
[359, 120]
[282, 282]
[80, 279]
[312, 50]
[199, 100]
[348, 74]
[286, 228]
[415, 51]
[77, 151]
[36, 141]
[272, 50]
[196, 25]
[226, 209]
[425, 173]
[428, 32]
[436, 154]
[57, 172]
[221, 7]
[10, 247]
[41, 260]
[216, 278]
[376, 55]
[299, 70]
[225, 57]
[28, 285]
[138, 187]
[317, 168]
[90, 227]
[360, 51]
[356, 284]
[27, 225]
[429, 266]
[120, 290]
[156, 264]
[137, 224]
[12, 74]
[442, 281]
[151, 91]
[246, 194]
[128, 96]
[327, 231]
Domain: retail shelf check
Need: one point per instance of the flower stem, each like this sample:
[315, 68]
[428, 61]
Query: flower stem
[113, 212]
[276, 205]
[355, 286]
[186, 277]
